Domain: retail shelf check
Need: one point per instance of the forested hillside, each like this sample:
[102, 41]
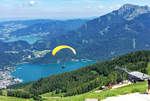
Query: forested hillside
[13, 53]
[49, 27]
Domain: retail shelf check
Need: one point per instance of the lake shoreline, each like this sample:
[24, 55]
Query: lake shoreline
[27, 74]
[8, 78]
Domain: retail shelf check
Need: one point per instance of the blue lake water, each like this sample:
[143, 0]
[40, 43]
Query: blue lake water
[30, 40]
[32, 72]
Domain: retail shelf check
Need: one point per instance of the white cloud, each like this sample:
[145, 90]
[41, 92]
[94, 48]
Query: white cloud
[32, 2]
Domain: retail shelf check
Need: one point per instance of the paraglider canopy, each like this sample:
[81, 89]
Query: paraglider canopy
[55, 50]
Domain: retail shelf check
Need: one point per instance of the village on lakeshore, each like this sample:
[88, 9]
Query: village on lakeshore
[6, 79]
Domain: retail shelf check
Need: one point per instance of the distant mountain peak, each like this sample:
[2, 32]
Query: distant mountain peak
[131, 6]
[128, 6]
[130, 11]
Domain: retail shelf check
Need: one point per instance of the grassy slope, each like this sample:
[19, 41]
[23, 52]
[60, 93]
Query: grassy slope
[4, 98]
[139, 87]
[148, 69]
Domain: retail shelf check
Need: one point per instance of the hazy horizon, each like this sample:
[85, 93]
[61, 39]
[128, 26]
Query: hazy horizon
[61, 9]
[27, 18]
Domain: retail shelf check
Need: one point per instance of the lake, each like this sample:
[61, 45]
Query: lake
[30, 40]
[32, 72]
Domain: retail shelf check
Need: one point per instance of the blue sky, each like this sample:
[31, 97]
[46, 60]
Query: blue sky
[61, 9]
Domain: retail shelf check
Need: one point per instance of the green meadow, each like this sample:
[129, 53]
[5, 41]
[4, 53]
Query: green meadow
[132, 88]
[4, 98]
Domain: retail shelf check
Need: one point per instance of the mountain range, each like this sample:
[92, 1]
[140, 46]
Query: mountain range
[29, 27]
[116, 33]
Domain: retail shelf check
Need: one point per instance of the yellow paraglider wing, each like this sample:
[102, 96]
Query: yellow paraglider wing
[55, 50]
